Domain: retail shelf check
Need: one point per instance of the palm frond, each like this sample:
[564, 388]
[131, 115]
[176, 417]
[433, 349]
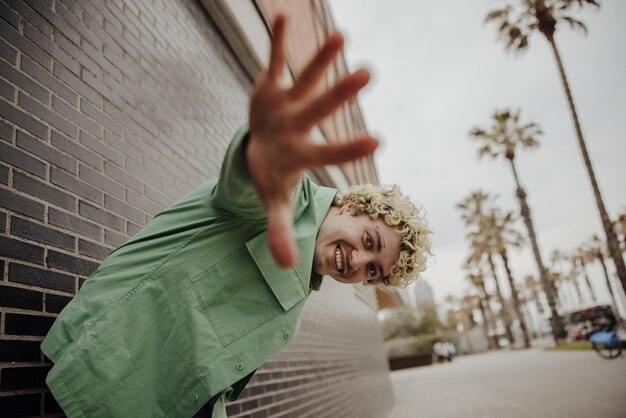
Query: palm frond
[575, 23]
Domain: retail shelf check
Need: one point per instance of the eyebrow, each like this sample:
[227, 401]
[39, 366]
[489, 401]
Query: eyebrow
[380, 268]
[379, 239]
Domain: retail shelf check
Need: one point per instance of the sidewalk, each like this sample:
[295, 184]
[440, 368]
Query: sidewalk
[514, 384]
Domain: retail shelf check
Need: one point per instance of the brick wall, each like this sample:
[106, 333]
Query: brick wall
[110, 111]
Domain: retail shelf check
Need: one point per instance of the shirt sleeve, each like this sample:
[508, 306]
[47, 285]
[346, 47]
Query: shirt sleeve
[234, 194]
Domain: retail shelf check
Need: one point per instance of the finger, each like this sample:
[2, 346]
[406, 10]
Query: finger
[331, 100]
[317, 155]
[277, 55]
[280, 234]
[315, 69]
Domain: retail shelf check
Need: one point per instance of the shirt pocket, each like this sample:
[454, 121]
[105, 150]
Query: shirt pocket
[239, 294]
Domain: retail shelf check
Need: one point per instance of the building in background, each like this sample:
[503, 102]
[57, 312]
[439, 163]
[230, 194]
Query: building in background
[111, 111]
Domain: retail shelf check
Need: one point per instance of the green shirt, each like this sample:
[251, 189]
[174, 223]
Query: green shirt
[188, 308]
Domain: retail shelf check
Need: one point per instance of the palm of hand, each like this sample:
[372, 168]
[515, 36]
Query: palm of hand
[280, 148]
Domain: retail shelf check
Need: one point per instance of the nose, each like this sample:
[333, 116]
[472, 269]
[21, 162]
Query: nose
[359, 259]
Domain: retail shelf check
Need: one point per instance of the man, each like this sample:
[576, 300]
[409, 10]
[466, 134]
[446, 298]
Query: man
[181, 316]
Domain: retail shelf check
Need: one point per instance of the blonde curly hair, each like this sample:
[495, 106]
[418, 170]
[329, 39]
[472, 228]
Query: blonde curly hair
[400, 213]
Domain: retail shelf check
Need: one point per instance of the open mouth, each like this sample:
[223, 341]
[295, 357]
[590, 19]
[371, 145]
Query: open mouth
[339, 259]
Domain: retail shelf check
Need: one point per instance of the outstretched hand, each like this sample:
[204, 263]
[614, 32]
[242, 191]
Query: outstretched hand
[280, 147]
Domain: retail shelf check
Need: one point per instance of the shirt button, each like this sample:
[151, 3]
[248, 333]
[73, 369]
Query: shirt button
[239, 366]
[287, 335]
[195, 397]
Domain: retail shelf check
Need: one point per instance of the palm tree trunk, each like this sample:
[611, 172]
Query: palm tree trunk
[608, 283]
[485, 324]
[611, 238]
[485, 310]
[503, 311]
[515, 296]
[586, 276]
[558, 332]
[574, 275]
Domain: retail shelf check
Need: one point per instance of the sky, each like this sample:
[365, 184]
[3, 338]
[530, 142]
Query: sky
[439, 71]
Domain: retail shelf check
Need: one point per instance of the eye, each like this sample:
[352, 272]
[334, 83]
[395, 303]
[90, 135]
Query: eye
[369, 241]
[371, 269]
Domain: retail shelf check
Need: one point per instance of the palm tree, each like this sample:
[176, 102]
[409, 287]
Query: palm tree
[532, 289]
[472, 212]
[573, 276]
[515, 26]
[582, 258]
[506, 133]
[503, 234]
[595, 251]
[620, 228]
[478, 281]
[558, 277]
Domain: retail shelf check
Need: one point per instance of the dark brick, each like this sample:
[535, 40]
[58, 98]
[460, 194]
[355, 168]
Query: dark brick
[73, 20]
[23, 120]
[16, 378]
[36, 232]
[8, 52]
[112, 110]
[7, 90]
[17, 158]
[76, 83]
[21, 273]
[43, 191]
[98, 180]
[117, 143]
[6, 131]
[46, 152]
[25, 83]
[21, 405]
[140, 171]
[21, 324]
[70, 263]
[123, 209]
[113, 238]
[3, 222]
[15, 297]
[117, 173]
[24, 45]
[100, 117]
[100, 148]
[56, 303]
[93, 250]
[233, 409]
[21, 204]
[76, 53]
[142, 203]
[51, 48]
[22, 351]
[20, 250]
[75, 149]
[50, 405]
[34, 18]
[10, 16]
[132, 229]
[70, 182]
[157, 197]
[53, 118]
[101, 216]
[74, 224]
[76, 117]
[45, 77]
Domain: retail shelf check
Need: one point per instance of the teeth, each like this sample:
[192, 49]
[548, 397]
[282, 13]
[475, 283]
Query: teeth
[338, 259]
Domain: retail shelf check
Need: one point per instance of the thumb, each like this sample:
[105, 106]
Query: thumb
[281, 235]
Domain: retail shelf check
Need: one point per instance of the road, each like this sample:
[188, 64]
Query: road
[531, 383]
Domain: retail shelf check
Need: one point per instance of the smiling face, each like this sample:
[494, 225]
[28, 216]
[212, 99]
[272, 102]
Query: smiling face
[355, 248]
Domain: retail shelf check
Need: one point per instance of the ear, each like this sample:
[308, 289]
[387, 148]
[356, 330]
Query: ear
[350, 208]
